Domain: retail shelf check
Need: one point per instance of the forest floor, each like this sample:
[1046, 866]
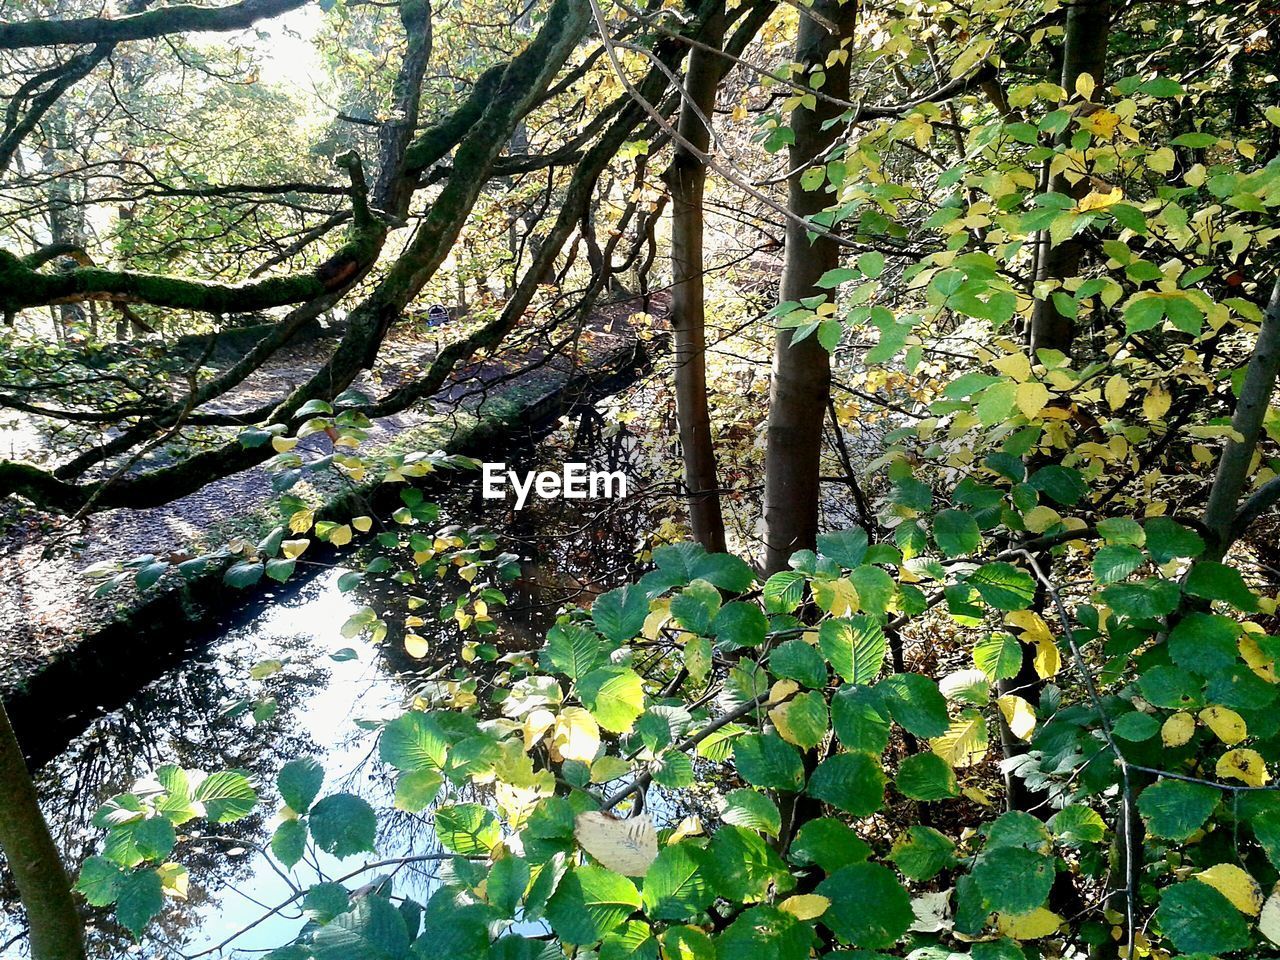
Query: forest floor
[46, 604]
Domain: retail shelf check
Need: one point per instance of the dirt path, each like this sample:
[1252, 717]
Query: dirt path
[45, 602]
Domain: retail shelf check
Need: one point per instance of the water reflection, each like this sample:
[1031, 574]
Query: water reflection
[325, 707]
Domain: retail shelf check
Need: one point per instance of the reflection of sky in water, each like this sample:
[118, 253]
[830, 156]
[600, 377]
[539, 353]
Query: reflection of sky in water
[182, 717]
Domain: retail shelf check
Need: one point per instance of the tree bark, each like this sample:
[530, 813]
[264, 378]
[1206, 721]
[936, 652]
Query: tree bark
[1084, 50]
[801, 380]
[55, 932]
[688, 177]
[1251, 409]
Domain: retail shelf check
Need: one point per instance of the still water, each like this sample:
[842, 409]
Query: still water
[330, 695]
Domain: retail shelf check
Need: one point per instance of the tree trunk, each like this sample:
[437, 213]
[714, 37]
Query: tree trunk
[1084, 50]
[688, 177]
[1247, 421]
[801, 380]
[53, 922]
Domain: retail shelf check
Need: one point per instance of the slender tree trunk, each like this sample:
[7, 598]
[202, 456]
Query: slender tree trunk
[688, 177]
[1084, 50]
[1247, 421]
[53, 922]
[801, 380]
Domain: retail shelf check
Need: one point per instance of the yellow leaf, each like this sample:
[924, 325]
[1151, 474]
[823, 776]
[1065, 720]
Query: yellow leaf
[1041, 518]
[1236, 885]
[1156, 404]
[1096, 200]
[782, 689]
[1085, 85]
[283, 444]
[340, 535]
[1015, 366]
[1243, 764]
[965, 742]
[1178, 729]
[977, 795]
[1162, 161]
[1031, 398]
[1116, 392]
[416, 646]
[1258, 661]
[292, 549]
[1228, 725]
[1018, 714]
[175, 880]
[1048, 660]
[1040, 922]
[363, 524]
[536, 724]
[576, 736]
[805, 906]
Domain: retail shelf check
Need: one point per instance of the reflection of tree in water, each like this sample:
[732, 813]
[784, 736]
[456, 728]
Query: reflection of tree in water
[180, 718]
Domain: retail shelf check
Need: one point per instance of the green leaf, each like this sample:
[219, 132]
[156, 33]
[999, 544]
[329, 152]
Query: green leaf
[799, 661]
[1003, 586]
[854, 646]
[1078, 826]
[915, 704]
[1116, 561]
[227, 796]
[371, 930]
[325, 901]
[1217, 581]
[244, 574]
[508, 880]
[742, 866]
[1204, 643]
[615, 697]
[784, 591]
[1014, 879]
[99, 881]
[852, 782]
[418, 790]
[829, 843]
[861, 719]
[299, 782]
[741, 624]
[344, 825]
[752, 810]
[574, 650]
[589, 903]
[1062, 484]
[766, 931]
[922, 852]
[1136, 726]
[1143, 600]
[999, 656]
[875, 588]
[467, 828]
[926, 776]
[1167, 540]
[676, 887]
[956, 533]
[289, 841]
[1199, 919]
[766, 760]
[724, 570]
[852, 890]
[413, 742]
[846, 547]
[620, 614]
[136, 841]
[1176, 809]
[139, 897]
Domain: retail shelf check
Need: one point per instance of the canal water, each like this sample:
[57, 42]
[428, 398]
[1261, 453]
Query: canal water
[329, 697]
